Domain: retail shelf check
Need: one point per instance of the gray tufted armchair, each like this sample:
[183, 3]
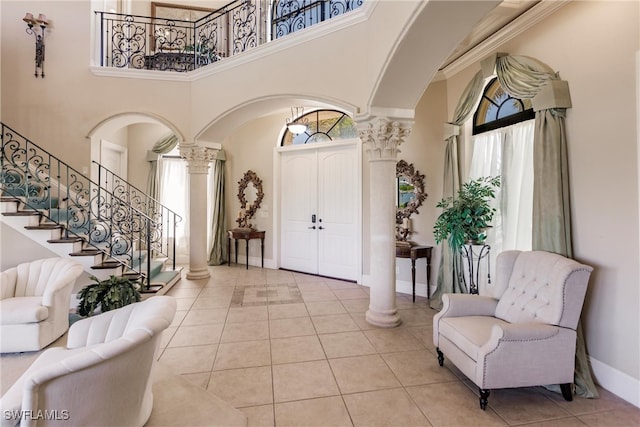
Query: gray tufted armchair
[524, 333]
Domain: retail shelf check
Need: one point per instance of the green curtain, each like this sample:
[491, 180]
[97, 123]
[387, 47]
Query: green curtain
[163, 146]
[448, 280]
[524, 77]
[218, 252]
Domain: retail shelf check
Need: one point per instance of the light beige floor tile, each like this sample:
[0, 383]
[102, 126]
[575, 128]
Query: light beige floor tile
[167, 334]
[217, 292]
[345, 344]
[184, 292]
[384, 408]
[201, 379]
[287, 311]
[247, 314]
[307, 278]
[243, 355]
[202, 303]
[243, 387]
[206, 316]
[179, 317]
[360, 305]
[362, 373]
[316, 286]
[304, 380]
[314, 296]
[452, 404]
[189, 360]
[334, 323]
[196, 335]
[424, 334]
[392, 340]
[184, 303]
[606, 401]
[566, 422]
[279, 276]
[283, 328]
[616, 418]
[296, 349]
[341, 284]
[346, 294]
[320, 412]
[322, 308]
[259, 416]
[415, 317]
[245, 331]
[417, 367]
[524, 405]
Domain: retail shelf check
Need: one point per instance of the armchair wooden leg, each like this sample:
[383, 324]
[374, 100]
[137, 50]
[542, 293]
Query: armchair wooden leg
[440, 357]
[484, 397]
[567, 393]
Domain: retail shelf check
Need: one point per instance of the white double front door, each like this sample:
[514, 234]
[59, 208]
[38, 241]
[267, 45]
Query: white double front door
[320, 210]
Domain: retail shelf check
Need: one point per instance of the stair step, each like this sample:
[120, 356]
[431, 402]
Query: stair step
[8, 199]
[86, 252]
[107, 264]
[21, 213]
[65, 240]
[43, 227]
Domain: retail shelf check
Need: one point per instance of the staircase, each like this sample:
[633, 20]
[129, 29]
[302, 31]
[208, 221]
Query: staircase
[114, 230]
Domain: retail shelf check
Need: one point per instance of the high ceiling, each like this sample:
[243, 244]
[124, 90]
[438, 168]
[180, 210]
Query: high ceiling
[502, 15]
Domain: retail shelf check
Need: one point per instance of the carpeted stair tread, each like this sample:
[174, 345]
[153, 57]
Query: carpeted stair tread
[107, 264]
[65, 240]
[21, 213]
[86, 252]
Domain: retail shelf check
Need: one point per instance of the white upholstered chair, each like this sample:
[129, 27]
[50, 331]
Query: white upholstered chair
[104, 375]
[34, 303]
[524, 334]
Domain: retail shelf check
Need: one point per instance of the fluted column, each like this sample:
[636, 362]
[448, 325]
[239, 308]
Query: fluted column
[382, 137]
[198, 159]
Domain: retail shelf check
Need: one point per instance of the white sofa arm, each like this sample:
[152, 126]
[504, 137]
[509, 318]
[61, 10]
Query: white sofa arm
[456, 305]
[8, 279]
[96, 329]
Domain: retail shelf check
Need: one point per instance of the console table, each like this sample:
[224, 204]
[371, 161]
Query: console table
[245, 234]
[410, 250]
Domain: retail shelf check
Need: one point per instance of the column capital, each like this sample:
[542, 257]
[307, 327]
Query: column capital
[382, 136]
[198, 157]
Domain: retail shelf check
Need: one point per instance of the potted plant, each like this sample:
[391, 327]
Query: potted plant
[466, 217]
[109, 294]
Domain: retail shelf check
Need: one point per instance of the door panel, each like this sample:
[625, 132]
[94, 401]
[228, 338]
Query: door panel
[299, 247]
[323, 182]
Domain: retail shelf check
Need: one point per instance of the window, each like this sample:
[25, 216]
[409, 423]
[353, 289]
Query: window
[502, 144]
[322, 126]
[497, 109]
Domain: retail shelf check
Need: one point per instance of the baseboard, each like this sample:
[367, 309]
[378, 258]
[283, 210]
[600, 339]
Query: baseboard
[254, 261]
[622, 385]
[402, 286]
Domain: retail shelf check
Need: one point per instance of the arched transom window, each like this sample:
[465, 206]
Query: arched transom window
[498, 109]
[322, 126]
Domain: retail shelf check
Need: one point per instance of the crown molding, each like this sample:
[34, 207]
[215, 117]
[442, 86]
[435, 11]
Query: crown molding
[516, 27]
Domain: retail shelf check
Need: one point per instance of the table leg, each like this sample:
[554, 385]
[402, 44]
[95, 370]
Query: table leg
[428, 278]
[413, 277]
[247, 252]
[229, 251]
[235, 244]
[262, 251]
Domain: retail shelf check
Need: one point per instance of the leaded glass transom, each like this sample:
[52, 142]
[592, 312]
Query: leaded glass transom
[322, 126]
[499, 109]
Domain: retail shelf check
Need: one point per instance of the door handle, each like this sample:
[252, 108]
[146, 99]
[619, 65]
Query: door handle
[321, 228]
[312, 228]
[313, 218]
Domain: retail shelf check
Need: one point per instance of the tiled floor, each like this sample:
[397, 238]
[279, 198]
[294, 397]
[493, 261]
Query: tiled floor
[290, 349]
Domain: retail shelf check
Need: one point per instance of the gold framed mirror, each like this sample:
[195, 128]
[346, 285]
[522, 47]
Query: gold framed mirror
[250, 196]
[410, 191]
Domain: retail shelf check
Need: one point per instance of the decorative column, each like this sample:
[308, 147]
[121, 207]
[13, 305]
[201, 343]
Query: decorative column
[382, 137]
[198, 159]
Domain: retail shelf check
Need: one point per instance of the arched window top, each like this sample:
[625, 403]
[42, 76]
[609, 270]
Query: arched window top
[498, 109]
[322, 126]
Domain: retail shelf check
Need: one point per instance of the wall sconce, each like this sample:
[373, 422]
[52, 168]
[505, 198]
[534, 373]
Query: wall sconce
[42, 22]
[296, 124]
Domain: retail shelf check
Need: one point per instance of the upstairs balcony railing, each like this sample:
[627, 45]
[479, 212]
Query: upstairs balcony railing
[152, 43]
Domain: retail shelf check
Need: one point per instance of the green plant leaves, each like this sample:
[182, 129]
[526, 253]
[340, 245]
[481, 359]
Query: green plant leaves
[109, 294]
[466, 216]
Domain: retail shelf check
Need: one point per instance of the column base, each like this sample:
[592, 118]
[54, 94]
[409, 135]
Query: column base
[384, 319]
[200, 273]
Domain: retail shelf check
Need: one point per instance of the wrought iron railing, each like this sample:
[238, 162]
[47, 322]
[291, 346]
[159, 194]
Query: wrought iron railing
[85, 209]
[154, 43]
[163, 218]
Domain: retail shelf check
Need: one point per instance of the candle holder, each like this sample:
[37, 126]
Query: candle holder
[32, 23]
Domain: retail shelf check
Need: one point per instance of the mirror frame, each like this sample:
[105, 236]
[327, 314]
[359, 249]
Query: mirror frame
[249, 177]
[417, 180]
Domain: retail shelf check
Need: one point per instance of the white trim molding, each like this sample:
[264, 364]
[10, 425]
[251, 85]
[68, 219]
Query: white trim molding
[617, 382]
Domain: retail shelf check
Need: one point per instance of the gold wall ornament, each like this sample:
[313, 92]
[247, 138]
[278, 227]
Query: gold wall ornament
[248, 208]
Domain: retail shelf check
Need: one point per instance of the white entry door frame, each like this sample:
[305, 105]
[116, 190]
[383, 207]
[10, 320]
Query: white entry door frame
[319, 166]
